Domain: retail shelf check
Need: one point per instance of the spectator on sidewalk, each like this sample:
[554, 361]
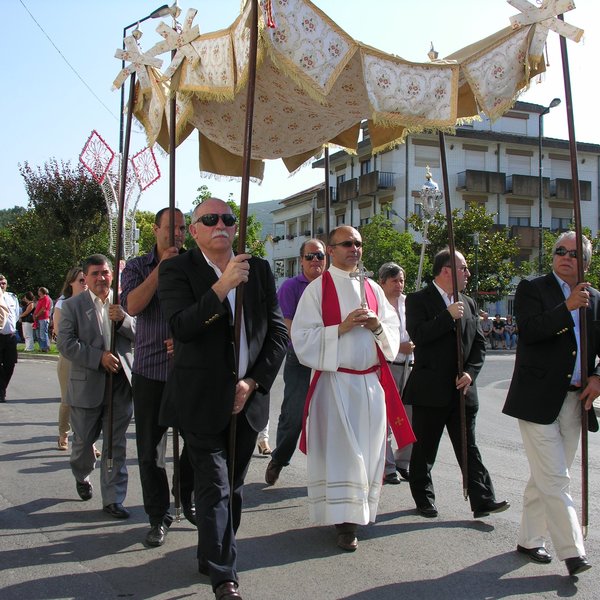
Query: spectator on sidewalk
[27, 307]
[41, 315]
[8, 338]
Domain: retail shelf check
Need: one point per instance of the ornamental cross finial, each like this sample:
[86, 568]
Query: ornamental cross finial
[138, 62]
[178, 41]
[361, 274]
[544, 18]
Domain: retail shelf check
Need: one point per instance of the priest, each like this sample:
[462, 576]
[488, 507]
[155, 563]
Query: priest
[345, 330]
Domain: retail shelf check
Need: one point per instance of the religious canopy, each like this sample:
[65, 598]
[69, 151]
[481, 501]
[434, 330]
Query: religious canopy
[315, 84]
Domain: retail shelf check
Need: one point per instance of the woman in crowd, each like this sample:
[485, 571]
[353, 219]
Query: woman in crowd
[27, 306]
[74, 284]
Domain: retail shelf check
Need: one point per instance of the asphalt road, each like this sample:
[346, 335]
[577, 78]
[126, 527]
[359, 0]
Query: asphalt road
[55, 546]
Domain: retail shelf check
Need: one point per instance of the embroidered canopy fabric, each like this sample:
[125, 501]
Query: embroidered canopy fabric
[315, 84]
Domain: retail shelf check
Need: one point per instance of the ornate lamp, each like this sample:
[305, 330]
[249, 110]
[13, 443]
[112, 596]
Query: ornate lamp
[430, 198]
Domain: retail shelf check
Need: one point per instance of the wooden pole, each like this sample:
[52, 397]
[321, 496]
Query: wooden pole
[583, 341]
[459, 346]
[239, 297]
[118, 254]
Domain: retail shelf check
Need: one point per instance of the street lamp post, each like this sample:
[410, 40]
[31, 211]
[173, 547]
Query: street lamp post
[546, 110]
[161, 11]
[430, 196]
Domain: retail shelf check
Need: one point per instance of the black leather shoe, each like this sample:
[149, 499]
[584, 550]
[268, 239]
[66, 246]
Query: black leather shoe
[577, 564]
[157, 534]
[490, 507]
[227, 590]
[391, 479]
[427, 510]
[189, 511]
[539, 554]
[404, 474]
[84, 489]
[116, 510]
[272, 472]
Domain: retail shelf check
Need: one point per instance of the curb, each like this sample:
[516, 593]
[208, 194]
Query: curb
[37, 356]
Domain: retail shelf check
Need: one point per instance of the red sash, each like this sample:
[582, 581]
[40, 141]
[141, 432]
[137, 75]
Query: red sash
[396, 415]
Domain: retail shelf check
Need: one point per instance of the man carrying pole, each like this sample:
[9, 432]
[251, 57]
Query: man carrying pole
[197, 292]
[434, 388]
[547, 396]
[153, 351]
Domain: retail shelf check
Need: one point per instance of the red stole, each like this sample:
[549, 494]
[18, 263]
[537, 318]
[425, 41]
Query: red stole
[396, 415]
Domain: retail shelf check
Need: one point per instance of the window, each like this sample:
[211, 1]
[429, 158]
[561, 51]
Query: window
[340, 179]
[339, 220]
[365, 214]
[560, 223]
[365, 167]
[427, 155]
[519, 221]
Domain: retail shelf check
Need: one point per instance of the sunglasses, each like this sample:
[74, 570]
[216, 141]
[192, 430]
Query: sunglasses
[211, 219]
[349, 244]
[562, 251]
[313, 255]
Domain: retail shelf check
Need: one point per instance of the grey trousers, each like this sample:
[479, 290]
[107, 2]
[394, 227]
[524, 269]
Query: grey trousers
[87, 423]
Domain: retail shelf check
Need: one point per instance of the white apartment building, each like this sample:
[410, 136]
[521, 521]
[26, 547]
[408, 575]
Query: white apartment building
[494, 164]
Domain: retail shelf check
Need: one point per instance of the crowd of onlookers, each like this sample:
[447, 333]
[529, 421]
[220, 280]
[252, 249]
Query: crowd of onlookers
[34, 321]
[500, 333]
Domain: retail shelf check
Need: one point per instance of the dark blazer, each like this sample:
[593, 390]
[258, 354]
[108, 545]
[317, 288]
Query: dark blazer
[201, 387]
[80, 341]
[547, 349]
[432, 329]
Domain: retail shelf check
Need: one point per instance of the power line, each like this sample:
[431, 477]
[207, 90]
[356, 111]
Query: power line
[68, 63]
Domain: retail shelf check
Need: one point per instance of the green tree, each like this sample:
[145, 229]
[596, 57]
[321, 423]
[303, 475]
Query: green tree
[382, 243]
[493, 257]
[10, 215]
[144, 221]
[70, 204]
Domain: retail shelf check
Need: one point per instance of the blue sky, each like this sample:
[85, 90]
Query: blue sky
[49, 111]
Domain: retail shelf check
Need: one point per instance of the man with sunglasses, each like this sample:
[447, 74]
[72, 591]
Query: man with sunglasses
[346, 433]
[546, 395]
[151, 365]
[433, 387]
[296, 376]
[212, 380]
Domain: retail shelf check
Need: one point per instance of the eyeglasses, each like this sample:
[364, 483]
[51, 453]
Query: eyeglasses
[313, 255]
[211, 219]
[562, 251]
[349, 244]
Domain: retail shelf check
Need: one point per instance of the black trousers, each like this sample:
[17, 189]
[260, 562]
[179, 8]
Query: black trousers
[217, 524]
[147, 395]
[8, 360]
[428, 424]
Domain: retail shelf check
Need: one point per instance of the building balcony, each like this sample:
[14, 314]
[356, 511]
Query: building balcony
[333, 195]
[486, 182]
[526, 236]
[527, 185]
[348, 190]
[375, 181]
[562, 189]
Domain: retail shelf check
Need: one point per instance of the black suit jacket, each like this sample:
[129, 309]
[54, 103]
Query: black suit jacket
[201, 387]
[432, 329]
[547, 349]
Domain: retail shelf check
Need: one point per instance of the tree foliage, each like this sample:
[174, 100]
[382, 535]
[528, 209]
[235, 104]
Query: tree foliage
[10, 215]
[69, 203]
[383, 243]
[491, 261]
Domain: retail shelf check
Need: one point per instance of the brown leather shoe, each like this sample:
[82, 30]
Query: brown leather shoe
[272, 472]
[346, 538]
[227, 590]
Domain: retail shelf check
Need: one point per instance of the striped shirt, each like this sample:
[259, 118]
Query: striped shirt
[150, 356]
